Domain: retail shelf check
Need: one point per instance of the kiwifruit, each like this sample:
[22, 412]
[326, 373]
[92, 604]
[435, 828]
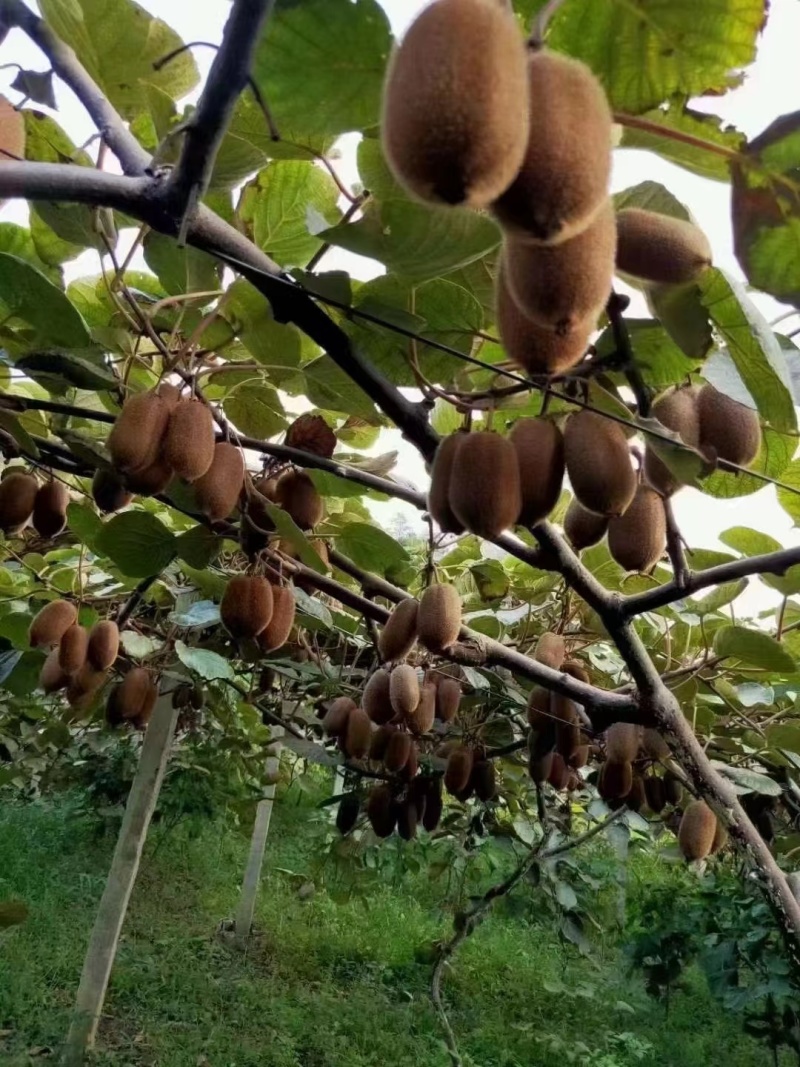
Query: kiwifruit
[599, 463]
[439, 617]
[654, 745]
[655, 793]
[397, 637]
[448, 697]
[659, 248]
[559, 775]
[575, 669]
[697, 830]
[728, 429]
[638, 539]
[418, 795]
[255, 524]
[568, 733]
[563, 180]
[540, 713]
[188, 445]
[550, 650]
[720, 839]
[673, 789]
[412, 763]
[276, 633]
[359, 734]
[485, 492]
[138, 432]
[562, 286]
[217, 492]
[455, 103]
[677, 410]
[579, 757]
[50, 508]
[616, 780]
[407, 819]
[246, 606]
[51, 623]
[266, 486]
[347, 813]
[103, 644]
[151, 480]
[380, 742]
[398, 752]
[404, 689]
[540, 455]
[622, 742]
[458, 770]
[583, 528]
[334, 722]
[382, 810]
[86, 681]
[137, 695]
[72, 648]
[297, 494]
[433, 804]
[483, 779]
[109, 491]
[17, 500]
[375, 699]
[637, 797]
[540, 762]
[439, 491]
[424, 714]
[52, 677]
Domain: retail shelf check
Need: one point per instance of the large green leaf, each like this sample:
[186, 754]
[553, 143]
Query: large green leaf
[181, 270]
[291, 532]
[203, 662]
[702, 127]
[371, 548]
[138, 543]
[59, 371]
[50, 319]
[17, 241]
[328, 387]
[276, 346]
[753, 647]
[660, 360]
[255, 409]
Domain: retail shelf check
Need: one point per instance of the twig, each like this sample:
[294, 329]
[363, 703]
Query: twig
[675, 548]
[541, 22]
[614, 309]
[130, 605]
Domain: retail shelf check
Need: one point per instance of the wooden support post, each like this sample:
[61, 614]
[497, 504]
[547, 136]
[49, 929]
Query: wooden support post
[113, 906]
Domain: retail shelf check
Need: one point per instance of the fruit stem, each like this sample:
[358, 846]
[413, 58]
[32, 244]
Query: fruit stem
[636, 122]
[541, 23]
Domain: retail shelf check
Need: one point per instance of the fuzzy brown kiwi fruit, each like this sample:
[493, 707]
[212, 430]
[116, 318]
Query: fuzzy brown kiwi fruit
[439, 491]
[217, 492]
[335, 721]
[424, 714]
[398, 752]
[539, 446]
[407, 819]
[637, 796]
[455, 104]
[72, 648]
[598, 463]
[84, 685]
[448, 697]
[568, 733]
[375, 699]
[659, 248]
[359, 734]
[404, 690]
[297, 494]
[418, 796]
[109, 491]
[246, 606]
[550, 650]
[638, 539]
[720, 839]
[50, 509]
[673, 789]
[677, 410]
[541, 749]
[397, 637]
[579, 757]
[137, 695]
[433, 804]
[655, 793]
[51, 677]
[439, 617]
[563, 180]
[728, 429]
[559, 775]
[51, 622]
[188, 445]
[458, 770]
[103, 644]
[382, 810]
[485, 492]
[583, 528]
[138, 432]
[347, 813]
[622, 742]
[540, 713]
[380, 742]
[615, 781]
[561, 286]
[18, 493]
[654, 745]
[483, 779]
[276, 633]
[697, 830]
[149, 481]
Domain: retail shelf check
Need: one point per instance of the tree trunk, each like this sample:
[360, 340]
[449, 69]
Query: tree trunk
[119, 885]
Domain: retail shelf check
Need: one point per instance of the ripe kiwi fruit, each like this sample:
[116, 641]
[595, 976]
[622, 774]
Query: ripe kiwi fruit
[150, 481]
[138, 432]
[676, 410]
[84, 685]
[375, 699]
[540, 765]
[539, 446]
[483, 780]
[52, 677]
[18, 492]
[72, 648]
[622, 742]
[217, 492]
[638, 539]
[459, 769]
[418, 796]
[697, 830]
[485, 492]
[404, 689]
[380, 742]
[654, 745]
[137, 694]
[189, 441]
[433, 804]
[347, 813]
[728, 429]
[559, 775]
[616, 780]
[448, 697]
[382, 810]
[655, 793]
[583, 528]
[398, 752]
[50, 508]
[568, 733]
[560, 287]
[297, 494]
[439, 491]
[424, 714]
[673, 789]
[563, 181]
[358, 735]
[397, 637]
[550, 650]
[637, 796]
[50, 624]
[109, 491]
[103, 646]
[455, 103]
[407, 819]
[540, 713]
[246, 606]
[659, 248]
[599, 463]
[276, 633]
[334, 722]
[579, 757]
[720, 839]
[439, 617]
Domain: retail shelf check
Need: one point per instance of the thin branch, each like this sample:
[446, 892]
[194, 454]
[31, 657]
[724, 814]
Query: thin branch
[130, 605]
[541, 22]
[636, 122]
[622, 342]
[675, 547]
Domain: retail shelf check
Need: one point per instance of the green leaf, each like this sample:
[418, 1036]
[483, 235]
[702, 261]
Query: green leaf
[202, 661]
[26, 294]
[274, 345]
[85, 523]
[60, 371]
[291, 532]
[749, 542]
[200, 614]
[659, 358]
[748, 781]
[315, 609]
[678, 117]
[138, 646]
[329, 388]
[789, 500]
[718, 598]
[371, 548]
[198, 546]
[491, 579]
[680, 311]
[754, 647]
[255, 410]
[138, 543]
[652, 196]
[11, 424]
[181, 270]
[784, 735]
[17, 241]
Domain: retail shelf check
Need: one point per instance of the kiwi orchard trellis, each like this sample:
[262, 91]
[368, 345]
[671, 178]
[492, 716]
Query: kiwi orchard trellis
[167, 200]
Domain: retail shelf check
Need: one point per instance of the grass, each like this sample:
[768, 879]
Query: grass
[328, 982]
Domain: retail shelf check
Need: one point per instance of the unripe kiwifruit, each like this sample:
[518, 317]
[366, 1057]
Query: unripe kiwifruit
[137, 435]
[455, 104]
[297, 494]
[659, 248]
[397, 637]
[375, 700]
[538, 350]
[109, 491]
[424, 714]
[654, 745]
[599, 463]
[655, 793]
[485, 492]
[17, 500]
[448, 697]
[439, 491]
[638, 539]
[433, 804]
[398, 751]
[382, 810]
[622, 742]
[347, 813]
[276, 633]
[335, 721]
[359, 734]
[72, 648]
[50, 508]
[677, 410]
[51, 623]
[540, 455]
[103, 646]
[697, 830]
[728, 429]
[583, 528]
[560, 287]
[217, 492]
[550, 650]
[559, 775]
[246, 606]
[673, 789]
[458, 770]
[439, 617]
[380, 742]
[407, 819]
[563, 181]
[137, 694]
[483, 780]
[151, 480]
[189, 440]
[52, 677]
[615, 781]
[404, 689]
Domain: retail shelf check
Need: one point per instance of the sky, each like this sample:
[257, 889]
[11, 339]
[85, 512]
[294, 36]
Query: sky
[771, 88]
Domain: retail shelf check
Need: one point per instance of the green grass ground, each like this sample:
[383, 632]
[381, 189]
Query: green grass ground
[326, 984]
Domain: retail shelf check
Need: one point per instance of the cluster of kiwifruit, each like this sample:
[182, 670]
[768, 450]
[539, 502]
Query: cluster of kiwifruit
[133, 699]
[295, 492]
[255, 609]
[79, 658]
[391, 807]
[23, 500]
[434, 619]
[557, 746]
